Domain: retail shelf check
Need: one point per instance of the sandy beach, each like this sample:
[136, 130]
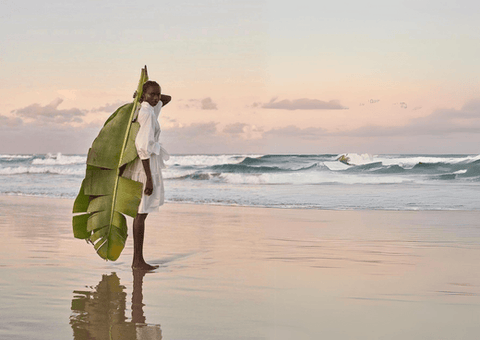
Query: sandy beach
[243, 273]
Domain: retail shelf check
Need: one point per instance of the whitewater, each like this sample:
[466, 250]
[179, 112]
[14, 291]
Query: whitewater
[324, 181]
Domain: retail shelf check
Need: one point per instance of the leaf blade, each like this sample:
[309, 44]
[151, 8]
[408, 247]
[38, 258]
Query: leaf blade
[104, 194]
[79, 223]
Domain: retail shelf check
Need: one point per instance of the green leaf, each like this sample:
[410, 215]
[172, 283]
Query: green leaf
[81, 202]
[109, 146]
[80, 226]
[130, 151]
[100, 233]
[128, 197]
[100, 182]
[110, 243]
[113, 115]
[104, 194]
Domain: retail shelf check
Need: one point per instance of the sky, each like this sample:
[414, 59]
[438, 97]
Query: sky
[245, 76]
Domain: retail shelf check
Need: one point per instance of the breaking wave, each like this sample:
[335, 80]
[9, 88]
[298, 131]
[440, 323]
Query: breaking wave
[59, 159]
[40, 170]
[326, 181]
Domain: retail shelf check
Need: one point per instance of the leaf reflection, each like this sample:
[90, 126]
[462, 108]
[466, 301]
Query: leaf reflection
[100, 313]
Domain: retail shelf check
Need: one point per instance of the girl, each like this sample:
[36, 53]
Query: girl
[147, 167]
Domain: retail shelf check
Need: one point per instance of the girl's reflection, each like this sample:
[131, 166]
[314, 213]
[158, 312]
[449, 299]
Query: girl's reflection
[137, 297]
[100, 313]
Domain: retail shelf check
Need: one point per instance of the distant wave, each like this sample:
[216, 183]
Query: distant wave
[445, 177]
[473, 171]
[286, 178]
[253, 161]
[41, 170]
[196, 176]
[366, 167]
[241, 168]
[407, 160]
[59, 159]
[411, 161]
[392, 169]
[323, 169]
[205, 160]
[39, 194]
[14, 157]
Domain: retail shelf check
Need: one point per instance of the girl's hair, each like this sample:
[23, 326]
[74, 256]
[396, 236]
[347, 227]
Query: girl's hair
[146, 85]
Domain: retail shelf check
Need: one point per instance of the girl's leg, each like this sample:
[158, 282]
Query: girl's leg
[138, 236]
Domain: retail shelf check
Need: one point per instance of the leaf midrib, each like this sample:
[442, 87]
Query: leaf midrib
[117, 177]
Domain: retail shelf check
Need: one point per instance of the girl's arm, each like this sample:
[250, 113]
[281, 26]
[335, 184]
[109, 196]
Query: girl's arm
[165, 99]
[149, 184]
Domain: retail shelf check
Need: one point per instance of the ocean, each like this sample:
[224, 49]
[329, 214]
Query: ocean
[367, 182]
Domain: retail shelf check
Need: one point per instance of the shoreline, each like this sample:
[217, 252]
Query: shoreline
[256, 206]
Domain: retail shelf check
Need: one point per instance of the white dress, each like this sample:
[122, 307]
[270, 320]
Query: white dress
[149, 147]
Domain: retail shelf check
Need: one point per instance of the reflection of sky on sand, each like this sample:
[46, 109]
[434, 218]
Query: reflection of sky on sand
[231, 273]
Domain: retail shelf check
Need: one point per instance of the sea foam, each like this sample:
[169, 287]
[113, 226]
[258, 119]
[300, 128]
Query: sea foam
[41, 170]
[59, 159]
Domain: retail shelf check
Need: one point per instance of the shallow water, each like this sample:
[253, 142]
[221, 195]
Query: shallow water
[243, 273]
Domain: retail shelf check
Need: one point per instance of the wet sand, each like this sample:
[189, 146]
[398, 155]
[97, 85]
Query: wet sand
[243, 273]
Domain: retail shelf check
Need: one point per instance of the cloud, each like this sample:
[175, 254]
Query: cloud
[208, 104]
[29, 138]
[255, 105]
[50, 113]
[9, 122]
[235, 128]
[444, 130]
[169, 119]
[302, 104]
[292, 131]
[202, 104]
[108, 107]
[193, 130]
[440, 122]
[208, 138]
[194, 138]
[244, 131]
[473, 107]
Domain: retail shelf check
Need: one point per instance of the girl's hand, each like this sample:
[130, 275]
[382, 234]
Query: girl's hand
[149, 184]
[148, 187]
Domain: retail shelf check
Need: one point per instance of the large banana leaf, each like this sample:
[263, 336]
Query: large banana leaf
[104, 195]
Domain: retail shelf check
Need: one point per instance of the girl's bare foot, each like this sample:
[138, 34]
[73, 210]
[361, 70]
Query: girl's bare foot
[143, 266]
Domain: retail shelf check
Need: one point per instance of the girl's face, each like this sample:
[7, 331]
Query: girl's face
[152, 95]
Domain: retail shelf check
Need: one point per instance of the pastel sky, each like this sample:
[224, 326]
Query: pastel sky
[246, 76]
